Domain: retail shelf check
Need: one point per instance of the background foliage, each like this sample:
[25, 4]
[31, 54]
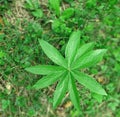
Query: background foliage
[23, 22]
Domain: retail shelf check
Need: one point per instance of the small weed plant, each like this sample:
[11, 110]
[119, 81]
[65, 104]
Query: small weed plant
[68, 69]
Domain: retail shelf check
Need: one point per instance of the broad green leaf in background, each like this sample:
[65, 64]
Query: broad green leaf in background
[53, 53]
[29, 4]
[55, 5]
[37, 13]
[32, 5]
[72, 46]
[74, 93]
[89, 82]
[89, 59]
[60, 91]
[48, 80]
[67, 13]
[44, 69]
[59, 27]
[84, 49]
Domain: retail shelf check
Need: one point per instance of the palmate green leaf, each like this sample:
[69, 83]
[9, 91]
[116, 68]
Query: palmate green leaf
[74, 93]
[44, 69]
[60, 91]
[55, 5]
[84, 49]
[72, 46]
[89, 59]
[37, 13]
[53, 53]
[88, 82]
[48, 80]
[67, 71]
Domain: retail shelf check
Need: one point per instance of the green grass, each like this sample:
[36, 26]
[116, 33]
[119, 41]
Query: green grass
[98, 21]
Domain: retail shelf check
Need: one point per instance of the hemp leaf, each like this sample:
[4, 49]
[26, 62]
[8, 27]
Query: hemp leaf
[67, 70]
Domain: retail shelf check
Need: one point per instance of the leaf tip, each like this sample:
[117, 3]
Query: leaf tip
[27, 69]
[103, 92]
